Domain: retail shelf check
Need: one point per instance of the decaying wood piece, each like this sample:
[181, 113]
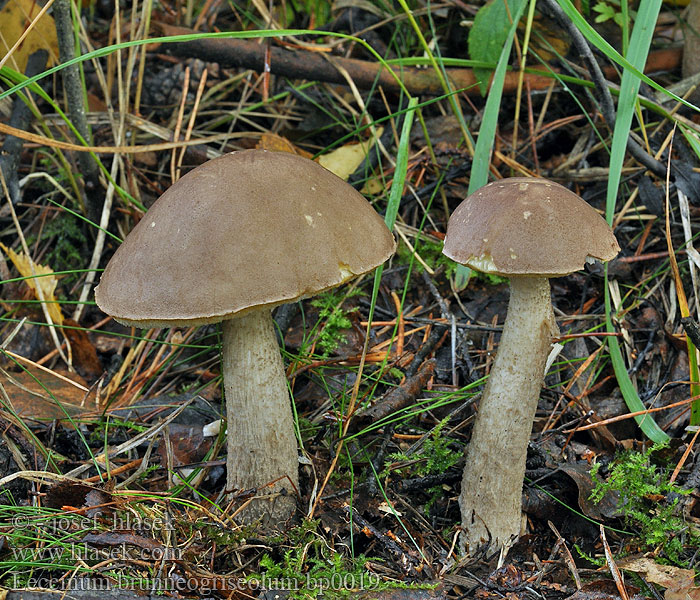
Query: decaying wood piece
[76, 107]
[304, 64]
[691, 41]
[20, 118]
[401, 396]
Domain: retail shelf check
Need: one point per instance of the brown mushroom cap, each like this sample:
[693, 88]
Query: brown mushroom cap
[527, 226]
[247, 229]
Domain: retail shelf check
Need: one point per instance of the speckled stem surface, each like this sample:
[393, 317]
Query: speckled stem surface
[491, 496]
[262, 445]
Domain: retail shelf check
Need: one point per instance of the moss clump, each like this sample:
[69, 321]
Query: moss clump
[649, 503]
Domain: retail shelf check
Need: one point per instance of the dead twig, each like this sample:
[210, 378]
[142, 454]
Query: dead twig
[20, 118]
[305, 64]
[400, 396]
[408, 563]
[76, 105]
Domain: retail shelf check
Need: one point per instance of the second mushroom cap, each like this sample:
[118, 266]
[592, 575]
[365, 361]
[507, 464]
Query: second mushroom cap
[527, 226]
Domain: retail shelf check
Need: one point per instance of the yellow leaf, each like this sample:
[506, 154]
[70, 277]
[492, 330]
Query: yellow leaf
[373, 186]
[15, 18]
[44, 279]
[344, 160]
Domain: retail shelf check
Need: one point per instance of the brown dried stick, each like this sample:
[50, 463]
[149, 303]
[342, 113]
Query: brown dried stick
[304, 64]
[399, 397]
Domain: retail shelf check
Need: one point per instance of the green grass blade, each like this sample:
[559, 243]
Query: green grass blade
[439, 69]
[401, 165]
[627, 101]
[625, 26]
[692, 138]
[395, 193]
[640, 41]
[599, 42]
[479, 175]
[645, 422]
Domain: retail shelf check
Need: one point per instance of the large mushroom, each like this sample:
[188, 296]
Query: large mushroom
[228, 242]
[527, 230]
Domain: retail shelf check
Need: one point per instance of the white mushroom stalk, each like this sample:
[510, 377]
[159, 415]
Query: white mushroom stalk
[262, 448]
[492, 483]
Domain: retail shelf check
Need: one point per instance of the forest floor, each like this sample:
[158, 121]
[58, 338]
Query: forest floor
[112, 467]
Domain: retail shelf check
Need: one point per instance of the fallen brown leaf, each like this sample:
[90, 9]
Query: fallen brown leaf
[77, 495]
[679, 583]
[603, 589]
[277, 143]
[85, 359]
[42, 395]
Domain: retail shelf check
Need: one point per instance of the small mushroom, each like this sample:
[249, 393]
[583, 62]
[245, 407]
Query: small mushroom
[527, 230]
[228, 242]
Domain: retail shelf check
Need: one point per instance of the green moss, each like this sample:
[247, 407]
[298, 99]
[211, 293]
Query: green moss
[649, 503]
[431, 254]
[333, 319]
[66, 245]
[434, 457]
[310, 567]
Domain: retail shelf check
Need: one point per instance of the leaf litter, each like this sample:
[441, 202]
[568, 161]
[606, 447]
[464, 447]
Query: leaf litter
[130, 436]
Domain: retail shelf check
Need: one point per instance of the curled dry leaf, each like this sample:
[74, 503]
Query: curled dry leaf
[606, 508]
[39, 278]
[71, 495]
[188, 444]
[85, 359]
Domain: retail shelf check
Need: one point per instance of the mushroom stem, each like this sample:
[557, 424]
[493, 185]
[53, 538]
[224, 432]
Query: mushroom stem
[262, 445]
[491, 497]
